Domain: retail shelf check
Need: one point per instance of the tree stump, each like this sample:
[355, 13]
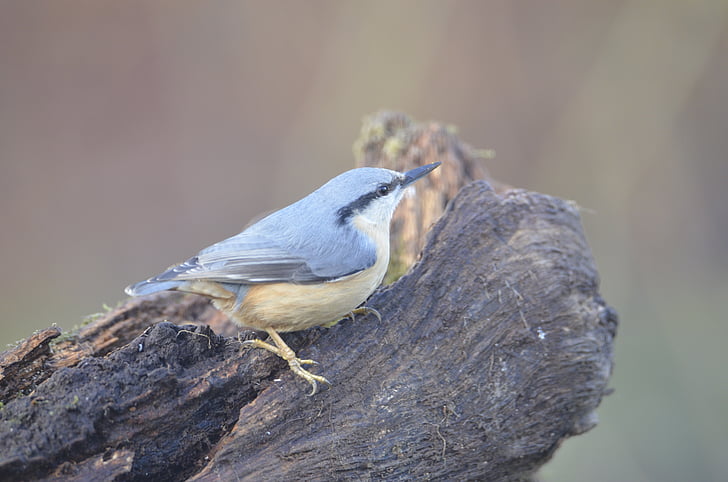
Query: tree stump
[493, 348]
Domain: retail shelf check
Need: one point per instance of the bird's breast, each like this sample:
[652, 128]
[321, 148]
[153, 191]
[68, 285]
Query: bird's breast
[293, 307]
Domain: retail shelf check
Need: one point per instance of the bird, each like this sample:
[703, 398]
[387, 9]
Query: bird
[312, 263]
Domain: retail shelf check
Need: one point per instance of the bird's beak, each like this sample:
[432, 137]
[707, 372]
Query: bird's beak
[418, 172]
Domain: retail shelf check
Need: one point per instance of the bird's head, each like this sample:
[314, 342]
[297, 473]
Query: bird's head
[370, 194]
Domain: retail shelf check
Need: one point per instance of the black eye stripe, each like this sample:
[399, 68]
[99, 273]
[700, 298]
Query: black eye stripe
[363, 201]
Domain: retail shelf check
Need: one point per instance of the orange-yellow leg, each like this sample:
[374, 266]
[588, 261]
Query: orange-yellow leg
[285, 352]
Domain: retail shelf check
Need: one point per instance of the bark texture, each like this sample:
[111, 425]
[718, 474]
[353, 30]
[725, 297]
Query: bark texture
[493, 349]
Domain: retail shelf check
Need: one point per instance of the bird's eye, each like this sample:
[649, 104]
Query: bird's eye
[383, 190]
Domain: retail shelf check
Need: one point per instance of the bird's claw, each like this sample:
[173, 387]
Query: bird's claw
[296, 368]
[364, 310]
[308, 362]
[294, 362]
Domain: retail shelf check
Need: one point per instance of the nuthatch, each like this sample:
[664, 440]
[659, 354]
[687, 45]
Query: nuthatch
[310, 263]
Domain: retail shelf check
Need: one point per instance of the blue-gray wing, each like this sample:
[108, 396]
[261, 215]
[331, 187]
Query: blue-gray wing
[252, 257]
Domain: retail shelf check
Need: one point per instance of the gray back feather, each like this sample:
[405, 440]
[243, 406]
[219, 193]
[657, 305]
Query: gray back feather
[302, 243]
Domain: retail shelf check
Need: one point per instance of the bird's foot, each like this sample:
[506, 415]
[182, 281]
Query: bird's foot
[314, 380]
[295, 363]
[364, 310]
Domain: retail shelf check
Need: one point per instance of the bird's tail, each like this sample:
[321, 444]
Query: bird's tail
[152, 285]
[202, 287]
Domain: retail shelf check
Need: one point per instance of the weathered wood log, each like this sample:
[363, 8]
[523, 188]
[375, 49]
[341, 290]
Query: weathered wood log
[493, 349]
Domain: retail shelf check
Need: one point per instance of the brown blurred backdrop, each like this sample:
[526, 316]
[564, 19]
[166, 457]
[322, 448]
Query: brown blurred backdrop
[133, 133]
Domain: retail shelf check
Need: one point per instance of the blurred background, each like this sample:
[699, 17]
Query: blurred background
[134, 133]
